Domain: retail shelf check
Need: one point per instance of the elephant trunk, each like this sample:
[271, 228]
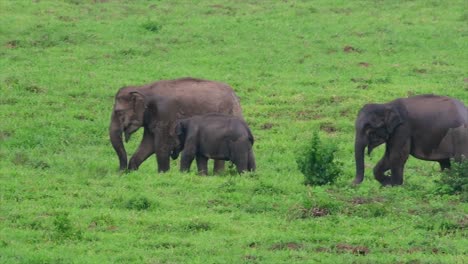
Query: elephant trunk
[359, 148]
[115, 134]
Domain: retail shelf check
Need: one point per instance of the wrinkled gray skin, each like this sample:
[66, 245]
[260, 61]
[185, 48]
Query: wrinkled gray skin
[429, 127]
[156, 107]
[215, 136]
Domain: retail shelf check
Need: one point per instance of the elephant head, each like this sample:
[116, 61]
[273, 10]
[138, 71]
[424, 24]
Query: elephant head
[374, 126]
[127, 117]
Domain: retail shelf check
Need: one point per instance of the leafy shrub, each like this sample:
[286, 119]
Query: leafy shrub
[64, 228]
[317, 163]
[152, 26]
[138, 203]
[455, 180]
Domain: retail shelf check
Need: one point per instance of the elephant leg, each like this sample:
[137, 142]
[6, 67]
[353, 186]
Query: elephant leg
[163, 160]
[241, 162]
[202, 165]
[398, 158]
[379, 170]
[145, 150]
[188, 153]
[185, 161]
[444, 164]
[241, 166]
[218, 167]
[251, 166]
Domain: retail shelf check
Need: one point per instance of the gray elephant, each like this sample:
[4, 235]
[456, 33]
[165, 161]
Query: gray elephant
[429, 127]
[156, 107]
[215, 136]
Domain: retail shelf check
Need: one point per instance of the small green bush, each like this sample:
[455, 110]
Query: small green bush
[138, 203]
[152, 26]
[64, 228]
[317, 163]
[455, 180]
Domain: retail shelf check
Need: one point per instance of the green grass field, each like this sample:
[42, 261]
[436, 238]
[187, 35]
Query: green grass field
[298, 67]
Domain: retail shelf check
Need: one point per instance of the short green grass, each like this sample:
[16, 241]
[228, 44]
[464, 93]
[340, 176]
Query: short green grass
[298, 67]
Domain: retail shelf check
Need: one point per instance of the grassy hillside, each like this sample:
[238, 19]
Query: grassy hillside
[298, 67]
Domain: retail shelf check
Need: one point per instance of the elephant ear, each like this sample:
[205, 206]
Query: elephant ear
[392, 119]
[139, 104]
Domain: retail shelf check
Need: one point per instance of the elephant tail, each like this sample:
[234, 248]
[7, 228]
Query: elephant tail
[250, 136]
[236, 107]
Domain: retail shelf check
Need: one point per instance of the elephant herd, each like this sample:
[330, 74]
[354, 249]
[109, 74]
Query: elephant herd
[203, 120]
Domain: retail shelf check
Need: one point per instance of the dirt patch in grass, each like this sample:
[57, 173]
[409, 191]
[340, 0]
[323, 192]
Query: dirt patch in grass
[12, 44]
[357, 250]
[347, 113]
[35, 89]
[322, 249]
[364, 64]
[364, 200]
[287, 246]
[266, 126]
[420, 71]
[463, 223]
[351, 49]
[360, 200]
[253, 245]
[307, 115]
[20, 159]
[328, 127]
[251, 258]
[303, 213]
[4, 135]
[358, 80]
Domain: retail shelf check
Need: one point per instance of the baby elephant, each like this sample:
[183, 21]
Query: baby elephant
[214, 136]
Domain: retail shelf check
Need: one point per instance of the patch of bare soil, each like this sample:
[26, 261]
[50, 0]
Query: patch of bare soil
[266, 126]
[11, 44]
[287, 246]
[420, 71]
[364, 64]
[253, 245]
[463, 223]
[328, 127]
[322, 249]
[357, 250]
[351, 49]
[313, 212]
[4, 135]
[307, 115]
[250, 258]
[359, 200]
[363, 200]
[346, 113]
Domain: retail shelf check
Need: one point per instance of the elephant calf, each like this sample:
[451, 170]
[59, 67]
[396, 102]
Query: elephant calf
[214, 136]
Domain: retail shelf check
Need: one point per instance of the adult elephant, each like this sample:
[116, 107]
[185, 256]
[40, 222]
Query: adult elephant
[429, 127]
[156, 107]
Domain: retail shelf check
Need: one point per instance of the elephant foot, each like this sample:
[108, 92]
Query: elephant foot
[357, 181]
[133, 165]
[385, 181]
[131, 168]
